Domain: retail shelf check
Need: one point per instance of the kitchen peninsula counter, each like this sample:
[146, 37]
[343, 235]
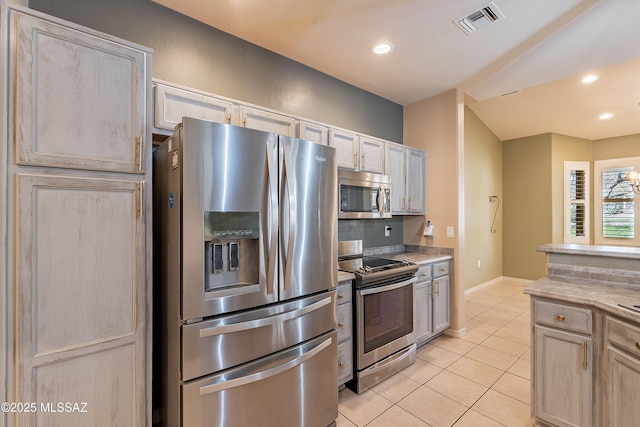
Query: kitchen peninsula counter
[599, 276]
[604, 296]
[585, 345]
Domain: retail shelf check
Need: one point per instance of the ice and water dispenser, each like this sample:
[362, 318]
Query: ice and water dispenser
[232, 241]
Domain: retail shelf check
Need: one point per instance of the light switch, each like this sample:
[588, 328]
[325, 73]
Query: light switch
[449, 231]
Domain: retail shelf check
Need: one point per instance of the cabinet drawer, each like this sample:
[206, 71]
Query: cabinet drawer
[345, 362]
[423, 274]
[344, 292]
[344, 322]
[624, 335]
[441, 269]
[563, 316]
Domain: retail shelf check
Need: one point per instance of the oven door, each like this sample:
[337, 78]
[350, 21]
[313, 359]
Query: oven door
[385, 320]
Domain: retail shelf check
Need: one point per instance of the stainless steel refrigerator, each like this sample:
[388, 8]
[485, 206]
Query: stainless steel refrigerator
[245, 240]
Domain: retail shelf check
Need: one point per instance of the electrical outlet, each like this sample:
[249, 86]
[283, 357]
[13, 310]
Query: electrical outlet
[449, 231]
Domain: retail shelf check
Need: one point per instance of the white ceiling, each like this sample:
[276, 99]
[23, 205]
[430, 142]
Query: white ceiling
[539, 49]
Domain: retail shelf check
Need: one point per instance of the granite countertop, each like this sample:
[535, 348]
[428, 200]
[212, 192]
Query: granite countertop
[599, 251]
[602, 295]
[417, 257]
[343, 276]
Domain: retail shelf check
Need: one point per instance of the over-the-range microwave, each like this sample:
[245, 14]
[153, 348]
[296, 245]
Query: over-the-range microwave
[363, 195]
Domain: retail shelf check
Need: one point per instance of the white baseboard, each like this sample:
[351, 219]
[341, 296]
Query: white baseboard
[494, 281]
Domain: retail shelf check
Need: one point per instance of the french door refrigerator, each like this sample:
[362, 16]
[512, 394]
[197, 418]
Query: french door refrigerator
[245, 241]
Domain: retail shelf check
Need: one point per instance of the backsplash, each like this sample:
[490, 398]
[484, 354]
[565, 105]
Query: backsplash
[371, 231]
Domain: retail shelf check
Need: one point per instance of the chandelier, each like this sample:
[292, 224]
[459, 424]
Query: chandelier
[634, 179]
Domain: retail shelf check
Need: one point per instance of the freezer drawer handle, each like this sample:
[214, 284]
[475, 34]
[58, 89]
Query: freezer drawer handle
[226, 385]
[401, 355]
[243, 326]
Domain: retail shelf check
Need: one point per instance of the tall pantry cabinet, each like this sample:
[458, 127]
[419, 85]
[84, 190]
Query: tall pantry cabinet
[78, 168]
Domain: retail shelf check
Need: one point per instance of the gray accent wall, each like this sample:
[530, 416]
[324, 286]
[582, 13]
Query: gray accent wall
[190, 53]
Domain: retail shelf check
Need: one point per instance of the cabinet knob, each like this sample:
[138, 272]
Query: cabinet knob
[340, 296]
[341, 325]
[560, 317]
[424, 274]
[341, 364]
[638, 345]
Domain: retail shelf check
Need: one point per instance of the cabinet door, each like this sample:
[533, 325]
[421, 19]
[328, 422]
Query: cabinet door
[422, 324]
[345, 328]
[80, 98]
[623, 391]
[268, 122]
[345, 362]
[81, 260]
[347, 145]
[396, 168]
[416, 172]
[172, 104]
[441, 304]
[313, 132]
[563, 372]
[371, 155]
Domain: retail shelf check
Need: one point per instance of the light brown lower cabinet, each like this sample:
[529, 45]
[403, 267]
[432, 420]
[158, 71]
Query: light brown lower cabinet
[563, 377]
[585, 366]
[623, 366]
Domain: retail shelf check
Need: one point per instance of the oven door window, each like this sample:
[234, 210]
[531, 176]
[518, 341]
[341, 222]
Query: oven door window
[388, 316]
[354, 198]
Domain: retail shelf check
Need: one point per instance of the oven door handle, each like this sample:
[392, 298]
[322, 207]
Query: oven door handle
[378, 289]
[237, 382]
[264, 321]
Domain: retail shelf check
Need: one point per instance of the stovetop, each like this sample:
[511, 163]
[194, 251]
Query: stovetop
[371, 270]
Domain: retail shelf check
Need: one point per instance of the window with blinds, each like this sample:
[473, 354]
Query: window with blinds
[576, 195]
[617, 204]
[614, 206]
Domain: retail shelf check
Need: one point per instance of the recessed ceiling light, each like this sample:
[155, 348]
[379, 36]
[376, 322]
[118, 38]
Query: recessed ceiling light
[382, 48]
[590, 78]
[605, 116]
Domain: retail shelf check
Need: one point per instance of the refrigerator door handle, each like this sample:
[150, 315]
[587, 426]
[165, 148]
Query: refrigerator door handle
[263, 321]
[237, 382]
[271, 232]
[288, 224]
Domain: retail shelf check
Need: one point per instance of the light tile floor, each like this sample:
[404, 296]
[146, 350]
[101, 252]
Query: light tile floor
[482, 379]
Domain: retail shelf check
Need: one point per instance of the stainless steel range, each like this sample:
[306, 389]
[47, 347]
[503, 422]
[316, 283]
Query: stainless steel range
[384, 306]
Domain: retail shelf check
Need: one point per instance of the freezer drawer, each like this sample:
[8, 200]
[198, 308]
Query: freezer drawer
[229, 341]
[296, 387]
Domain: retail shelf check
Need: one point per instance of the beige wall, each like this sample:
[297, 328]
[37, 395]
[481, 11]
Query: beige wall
[616, 148]
[526, 215]
[483, 178]
[563, 148]
[436, 126]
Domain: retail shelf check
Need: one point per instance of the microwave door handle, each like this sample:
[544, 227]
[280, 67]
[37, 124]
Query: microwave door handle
[380, 201]
[258, 376]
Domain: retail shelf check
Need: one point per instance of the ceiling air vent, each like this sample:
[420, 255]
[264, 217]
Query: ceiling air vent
[478, 19]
